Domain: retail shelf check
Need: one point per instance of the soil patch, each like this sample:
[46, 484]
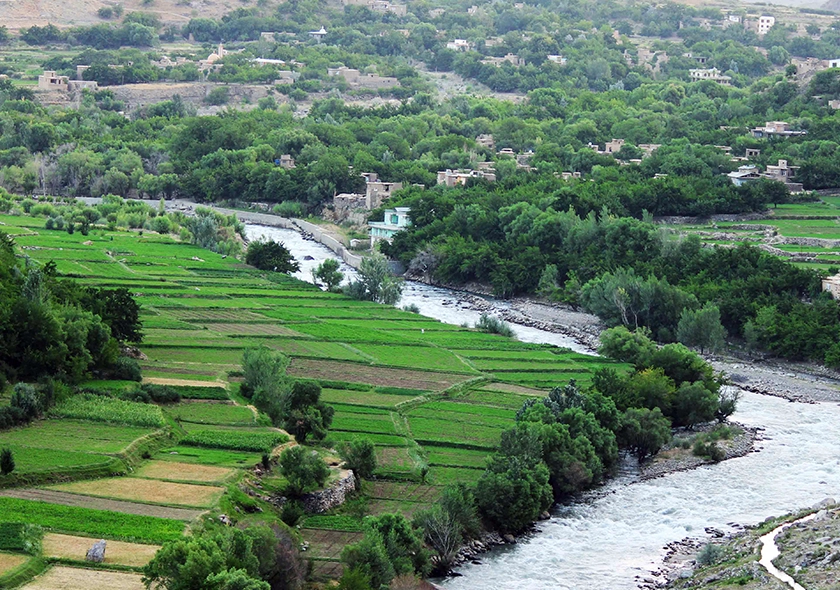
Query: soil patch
[117, 552]
[183, 472]
[147, 490]
[71, 578]
[328, 544]
[9, 561]
[67, 499]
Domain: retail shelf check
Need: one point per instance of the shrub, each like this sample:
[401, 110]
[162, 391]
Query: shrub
[710, 554]
[288, 209]
[411, 308]
[218, 96]
[25, 398]
[127, 369]
[292, 512]
[360, 456]
[7, 462]
[493, 325]
[18, 536]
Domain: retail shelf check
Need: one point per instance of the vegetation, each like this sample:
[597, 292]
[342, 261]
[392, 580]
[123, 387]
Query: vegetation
[235, 441]
[269, 255]
[7, 461]
[327, 273]
[303, 468]
[375, 282]
[104, 409]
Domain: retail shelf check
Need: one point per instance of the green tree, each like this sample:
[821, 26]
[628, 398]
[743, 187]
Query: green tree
[693, 404]
[630, 347]
[370, 558]
[304, 414]
[644, 431]
[266, 383]
[327, 272]
[360, 456]
[303, 468]
[7, 461]
[702, 328]
[375, 282]
[441, 532]
[271, 255]
[235, 579]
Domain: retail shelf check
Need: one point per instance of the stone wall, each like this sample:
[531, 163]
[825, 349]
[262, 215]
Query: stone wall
[330, 497]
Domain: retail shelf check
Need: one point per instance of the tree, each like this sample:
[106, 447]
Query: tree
[728, 403]
[630, 347]
[441, 532]
[266, 383]
[235, 579]
[369, 558]
[303, 468]
[7, 462]
[702, 328]
[327, 272]
[375, 282]
[403, 543]
[694, 404]
[303, 412]
[644, 431]
[360, 456]
[271, 255]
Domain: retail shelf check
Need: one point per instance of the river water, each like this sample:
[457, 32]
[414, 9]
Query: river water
[605, 541]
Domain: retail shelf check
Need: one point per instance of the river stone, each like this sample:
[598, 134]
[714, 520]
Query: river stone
[96, 553]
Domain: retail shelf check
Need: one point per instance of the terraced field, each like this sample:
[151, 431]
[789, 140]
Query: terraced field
[434, 398]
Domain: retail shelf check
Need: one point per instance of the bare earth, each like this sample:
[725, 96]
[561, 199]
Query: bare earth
[71, 578]
[117, 552]
[67, 499]
[184, 382]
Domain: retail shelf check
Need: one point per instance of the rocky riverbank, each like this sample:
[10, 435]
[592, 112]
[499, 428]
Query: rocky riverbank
[810, 553]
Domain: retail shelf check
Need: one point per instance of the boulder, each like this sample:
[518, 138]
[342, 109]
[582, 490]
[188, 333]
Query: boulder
[96, 554]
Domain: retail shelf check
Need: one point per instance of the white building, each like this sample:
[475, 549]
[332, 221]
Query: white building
[459, 45]
[765, 23]
[319, 34]
[712, 74]
[395, 220]
[834, 63]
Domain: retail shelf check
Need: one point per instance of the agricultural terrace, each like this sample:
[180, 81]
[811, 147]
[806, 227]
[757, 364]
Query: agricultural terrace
[806, 233]
[432, 397]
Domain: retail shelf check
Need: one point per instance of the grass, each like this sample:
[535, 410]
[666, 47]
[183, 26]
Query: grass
[73, 436]
[92, 522]
[201, 456]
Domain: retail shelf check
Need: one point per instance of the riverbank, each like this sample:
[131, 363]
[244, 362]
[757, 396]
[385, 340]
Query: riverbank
[809, 552]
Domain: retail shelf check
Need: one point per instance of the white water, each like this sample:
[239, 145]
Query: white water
[605, 542]
[769, 552]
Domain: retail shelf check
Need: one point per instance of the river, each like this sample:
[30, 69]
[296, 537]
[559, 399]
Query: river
[603, 542]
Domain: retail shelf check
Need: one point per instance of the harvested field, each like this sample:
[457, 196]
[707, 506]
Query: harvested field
[253, 330]
[67, 499]
[116, 552]
[408, 492]
[511, 388]
[9, 561]
[184, 382]
[358, 373]
[72, 578]
[146, 490]
[183, 472]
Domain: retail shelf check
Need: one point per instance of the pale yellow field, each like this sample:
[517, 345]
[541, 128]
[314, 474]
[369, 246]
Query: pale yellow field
[146, 490]
[9, 562]
[183, 472]
[71, 578]
[118, 552]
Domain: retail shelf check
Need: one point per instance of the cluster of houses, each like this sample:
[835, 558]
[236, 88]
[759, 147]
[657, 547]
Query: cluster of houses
[358, 79]
[50, 81]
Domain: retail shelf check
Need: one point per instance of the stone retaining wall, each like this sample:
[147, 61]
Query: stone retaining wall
[330, 497]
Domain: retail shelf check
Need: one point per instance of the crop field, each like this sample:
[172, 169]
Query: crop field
[72, 578]
[89, 521]
[9, 561]
[148, 491]
[212, 413]
[117, 552]
[185, 472]
[424, 392]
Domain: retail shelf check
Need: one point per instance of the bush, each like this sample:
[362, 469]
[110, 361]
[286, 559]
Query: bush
[493, 325]
[288, 209]
[7, 462]
[710, 554]
[18, 536]
[292, 512]
[218, 96]
[25, 398]
[127, 369]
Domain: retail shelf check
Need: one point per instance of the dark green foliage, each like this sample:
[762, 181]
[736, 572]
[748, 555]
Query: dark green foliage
[494, 325]
[375, 282]
[292, 512]
[360, 456]
[127, 369]
[7, 461]
[304, 414]
[644, 431]
[152, 394]
[18, 536]
[256, 558]
[391, 547]
[118, 309]
[303, 468]
[271, 255]
[327, 273]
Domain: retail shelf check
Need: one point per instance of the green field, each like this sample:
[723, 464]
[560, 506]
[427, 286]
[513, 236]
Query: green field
[393, 377]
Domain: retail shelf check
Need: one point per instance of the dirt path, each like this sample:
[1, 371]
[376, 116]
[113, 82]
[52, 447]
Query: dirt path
[66, 499]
